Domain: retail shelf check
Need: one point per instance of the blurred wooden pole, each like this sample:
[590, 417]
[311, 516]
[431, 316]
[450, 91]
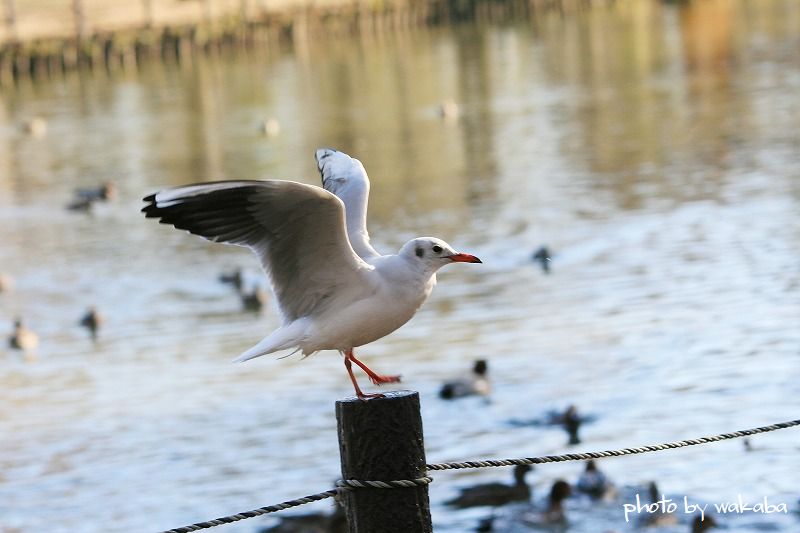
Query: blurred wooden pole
[208, 12]
[147, 8]
[80, 20]
[381, 440]
[11, 20]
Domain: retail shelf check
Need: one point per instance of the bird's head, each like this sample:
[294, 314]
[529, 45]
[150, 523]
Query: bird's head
[433, 253]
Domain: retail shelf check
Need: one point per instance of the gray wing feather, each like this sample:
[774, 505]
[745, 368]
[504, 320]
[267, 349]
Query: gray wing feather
[346, 177]
[297, 230]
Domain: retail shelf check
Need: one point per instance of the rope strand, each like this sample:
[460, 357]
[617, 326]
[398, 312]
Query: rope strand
[353, 484]
[255, 512]
[612, 453]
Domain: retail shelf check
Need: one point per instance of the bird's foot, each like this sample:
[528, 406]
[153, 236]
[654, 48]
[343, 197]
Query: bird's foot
[378, 379]
[364, 396]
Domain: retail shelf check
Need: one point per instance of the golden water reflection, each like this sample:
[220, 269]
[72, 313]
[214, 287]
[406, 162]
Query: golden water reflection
[650, 86]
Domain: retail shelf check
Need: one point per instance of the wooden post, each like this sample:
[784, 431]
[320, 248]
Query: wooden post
[147, 13]
[381, 440]
[11, 21]
[80, 19]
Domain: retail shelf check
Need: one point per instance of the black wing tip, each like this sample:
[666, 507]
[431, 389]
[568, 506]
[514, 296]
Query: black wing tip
[150, 210]
[326, 153]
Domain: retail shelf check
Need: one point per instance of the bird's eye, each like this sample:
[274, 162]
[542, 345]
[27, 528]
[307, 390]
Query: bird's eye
[437, 249]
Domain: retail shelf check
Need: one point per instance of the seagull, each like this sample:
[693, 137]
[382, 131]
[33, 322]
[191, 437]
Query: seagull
[333, 289]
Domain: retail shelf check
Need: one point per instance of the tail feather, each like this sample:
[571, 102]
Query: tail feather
[284, 338]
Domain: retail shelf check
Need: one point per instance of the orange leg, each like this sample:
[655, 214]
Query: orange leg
[376, 378]
[361, 396]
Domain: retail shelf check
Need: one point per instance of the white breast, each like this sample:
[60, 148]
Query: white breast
[399, 293]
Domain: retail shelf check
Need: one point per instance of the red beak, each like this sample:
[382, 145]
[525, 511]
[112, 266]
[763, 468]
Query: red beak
[464, 258]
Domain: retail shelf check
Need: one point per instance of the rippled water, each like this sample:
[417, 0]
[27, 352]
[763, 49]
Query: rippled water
[653, 148]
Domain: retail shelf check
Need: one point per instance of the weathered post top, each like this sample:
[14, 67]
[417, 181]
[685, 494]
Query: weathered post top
[380, 439]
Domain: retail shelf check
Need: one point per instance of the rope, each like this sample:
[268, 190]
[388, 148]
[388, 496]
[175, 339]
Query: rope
[612, 453]
[351, 484]
[256, 512]
[342, 484]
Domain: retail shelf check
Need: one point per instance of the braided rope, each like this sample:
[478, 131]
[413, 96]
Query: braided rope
[612, 453]
[342, 484]
[400, 483]
[256, 512]
[351, 484]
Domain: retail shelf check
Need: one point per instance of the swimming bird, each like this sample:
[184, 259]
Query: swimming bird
[476, 384]
[312, 523]
[495, 494]
[92, 321]
[572, 423]
[554, 512]
[486, 524]
[104, 192]
[23, 338]
[85, 198]
[333, 289]
[270, 127]
[235, 278]
[449, 110]
[253, 300]
[702, 523]
[660, 517]
[83, 205]
[35, 126]
[6, 282]
[594, 482]
[543, 257]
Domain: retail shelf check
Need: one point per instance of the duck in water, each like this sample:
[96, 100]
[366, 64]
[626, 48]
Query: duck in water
[495, 494]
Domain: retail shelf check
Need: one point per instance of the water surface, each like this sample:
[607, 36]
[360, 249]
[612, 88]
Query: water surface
[655, 157]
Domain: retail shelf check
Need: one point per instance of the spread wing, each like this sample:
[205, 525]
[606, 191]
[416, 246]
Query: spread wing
[345, 177]
[297, 230]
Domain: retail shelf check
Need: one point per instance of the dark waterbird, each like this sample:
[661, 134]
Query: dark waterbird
[569, 419]
[476, 384]
[702, 523]
[83, 199]
[234, 278]
[572, 423]
[594, 482]
[335, 522]
[553, 513]
[23, 338]
[543, 257]
[495, 494]
[660, 517]
[92, 321]
[255, 299]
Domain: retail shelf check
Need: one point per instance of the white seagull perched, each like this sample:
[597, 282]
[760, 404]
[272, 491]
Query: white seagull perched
[334, 290]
